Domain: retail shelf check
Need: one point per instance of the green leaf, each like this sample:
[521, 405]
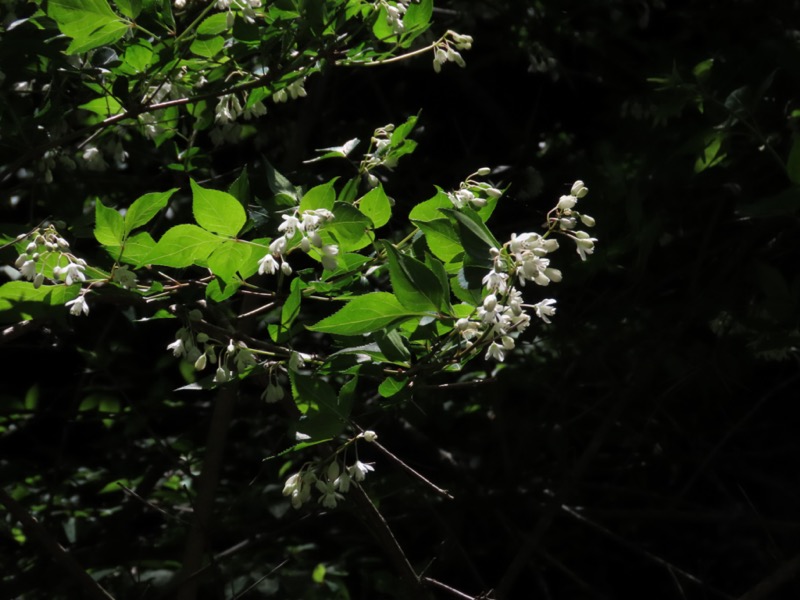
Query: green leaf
[442, 239]
[323, 416]
[381, 28]
[145, 208]
[129, 8]
[213, 25]
[217, 211]
[109, 227]
[90, 23]
[321, 196]
[182, 246]
[240, 189]
[418, 16]
[105, 107]
[414, 284]
[137, 248]
[137, 57]
[350, 227]
[376, 205]
[280, 332]
[793, 161]
[711, 155]
[391, 386]
[227, 260]
[392, 346]
[21, 300]
[279, 185]
[365, 314]
[475, 236]
[208, 47]
[429, 210]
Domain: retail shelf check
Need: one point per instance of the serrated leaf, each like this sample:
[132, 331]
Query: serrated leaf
[475, 236]
[145, 208]
[109, 228]
[429, 210]
[365, 314]
[217, 211]
[213, 25]
[279, 332]
[129, 8]
[90, 23]
[392, 346]
[229, 257]
[376, 205]
[182, 246]
[137, 248]
[414, 284]
[321, 196]
[418, 16]
[442, 239]
[208, 47]
[350, 227]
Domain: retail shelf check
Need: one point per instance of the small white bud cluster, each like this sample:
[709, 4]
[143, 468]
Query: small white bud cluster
[296, 89]
[307, 224]
[40, 248]
[564, 218]
[330, 479]
[394, 14]
[472, 193]
[446, 49]
[234, 357]
[378, 153]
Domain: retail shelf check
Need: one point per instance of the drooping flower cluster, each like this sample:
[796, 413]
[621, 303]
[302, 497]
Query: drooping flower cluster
[46, 256]
[394, 14]
[378, 153]
[447, 48]
[233, 358]
[330, 479]
[502, 315]
[472, 193]
[564, 218]
[307, 224]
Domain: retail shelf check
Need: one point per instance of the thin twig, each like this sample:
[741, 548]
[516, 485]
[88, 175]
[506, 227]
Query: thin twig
[412, 472]
[91, 588]
[648, 555]
[443, 586]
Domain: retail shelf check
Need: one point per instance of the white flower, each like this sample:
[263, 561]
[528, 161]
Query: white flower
[584, 244]
[273, 393]
[267, 265]
[495, 351]
[290, 225]
[178, 348]
[291, 484]
[278, 246]
[74, 272]
[496, 282]
[329, 252]
[28, 269]
[358, 471]
[545, 309]
[329, 495]
[566, 202]
[369, 436]
[78, 306]
[342, 482]
[94, 159]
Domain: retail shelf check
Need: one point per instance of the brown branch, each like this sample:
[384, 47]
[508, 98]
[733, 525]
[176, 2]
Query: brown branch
[36, 530]
[412, 472]
[410, 582]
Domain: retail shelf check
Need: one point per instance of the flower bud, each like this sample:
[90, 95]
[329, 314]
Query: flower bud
[200, 363]
[587, 220]
[483, 171]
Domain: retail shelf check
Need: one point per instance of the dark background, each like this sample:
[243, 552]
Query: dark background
[643, 445]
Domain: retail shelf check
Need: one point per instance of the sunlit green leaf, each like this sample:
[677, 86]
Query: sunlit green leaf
[364, 314]
[217, 211]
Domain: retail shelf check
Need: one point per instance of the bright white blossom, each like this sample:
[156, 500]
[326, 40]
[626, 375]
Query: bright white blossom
[358, 471]
[78, 306]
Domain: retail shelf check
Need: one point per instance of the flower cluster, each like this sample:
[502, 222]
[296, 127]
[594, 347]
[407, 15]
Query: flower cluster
[523, 258]
[472, 193]
[235, 357]
[378, 153]
[564, 218]
[394, 14]
[331, 480]
[296, 89]
[307, 224]
[446, 49]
